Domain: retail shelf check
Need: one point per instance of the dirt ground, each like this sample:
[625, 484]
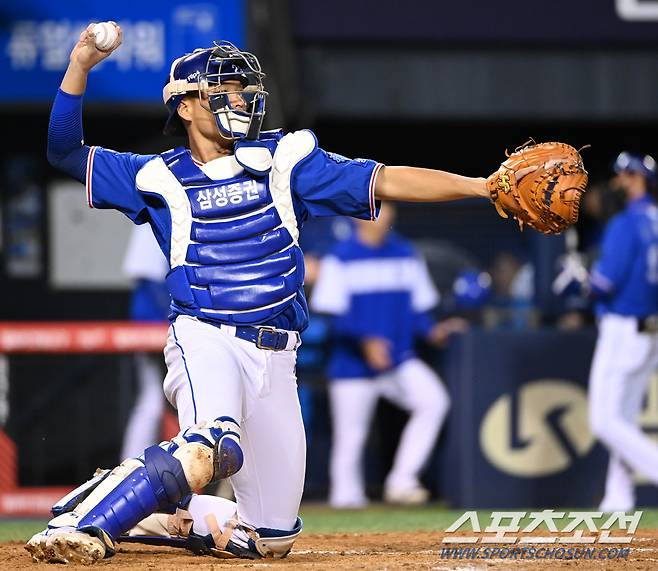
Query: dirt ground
[408, 550]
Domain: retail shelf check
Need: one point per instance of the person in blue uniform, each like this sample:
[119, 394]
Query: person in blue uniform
[379, 292]
[624, 285]
[226, 213]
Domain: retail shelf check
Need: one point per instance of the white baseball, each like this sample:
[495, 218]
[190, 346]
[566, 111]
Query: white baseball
[106, 35]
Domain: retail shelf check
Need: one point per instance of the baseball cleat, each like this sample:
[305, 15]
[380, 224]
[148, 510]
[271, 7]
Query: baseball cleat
[65, 545]
[407, 497]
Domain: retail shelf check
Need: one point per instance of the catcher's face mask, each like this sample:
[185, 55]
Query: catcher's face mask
[229, 84]
[232, 89]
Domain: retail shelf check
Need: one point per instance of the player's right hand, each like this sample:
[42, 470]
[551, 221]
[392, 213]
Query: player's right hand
[377, 353]
[86, 55]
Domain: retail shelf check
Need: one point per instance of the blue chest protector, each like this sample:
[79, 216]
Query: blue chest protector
[242, 266]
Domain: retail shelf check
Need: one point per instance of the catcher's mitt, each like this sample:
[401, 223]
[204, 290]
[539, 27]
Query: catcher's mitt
[540, 185]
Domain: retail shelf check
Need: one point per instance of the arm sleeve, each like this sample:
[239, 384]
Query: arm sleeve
[66, 150]
[329, 184]
[109, 176]
[615, 259]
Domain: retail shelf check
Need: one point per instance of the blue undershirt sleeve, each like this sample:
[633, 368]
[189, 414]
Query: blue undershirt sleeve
[66, 150]
[109, 176]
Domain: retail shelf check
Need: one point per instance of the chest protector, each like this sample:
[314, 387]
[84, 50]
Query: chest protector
[233, 259]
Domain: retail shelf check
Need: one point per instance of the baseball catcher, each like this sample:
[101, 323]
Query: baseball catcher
[226, 212]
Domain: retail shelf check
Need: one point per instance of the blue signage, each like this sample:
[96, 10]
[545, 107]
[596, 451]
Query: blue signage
[36, 38]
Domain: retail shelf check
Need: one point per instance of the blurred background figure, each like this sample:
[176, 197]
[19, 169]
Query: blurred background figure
[317, 237]
[471, 291]
[380, 295]
[624, 283]
[146, 265]
[512, 285]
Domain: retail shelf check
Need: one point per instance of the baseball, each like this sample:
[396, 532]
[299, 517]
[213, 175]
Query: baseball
[106, 35]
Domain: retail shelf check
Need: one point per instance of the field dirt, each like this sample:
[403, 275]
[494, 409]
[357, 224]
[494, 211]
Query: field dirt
[402, 550]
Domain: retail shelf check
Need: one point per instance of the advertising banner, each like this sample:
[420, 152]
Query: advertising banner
[36, 37]
[518, 433]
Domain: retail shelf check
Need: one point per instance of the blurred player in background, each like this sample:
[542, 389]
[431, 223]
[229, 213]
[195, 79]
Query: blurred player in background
[624, 283]
[145, 264]
[381, 296]
[317, 238]
[471, 291]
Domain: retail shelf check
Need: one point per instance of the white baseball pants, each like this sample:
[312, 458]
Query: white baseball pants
[210, 374]
[623, 363]
[413, 386]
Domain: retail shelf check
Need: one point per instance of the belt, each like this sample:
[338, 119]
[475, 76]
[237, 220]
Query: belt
[269, 337]
[648, 324]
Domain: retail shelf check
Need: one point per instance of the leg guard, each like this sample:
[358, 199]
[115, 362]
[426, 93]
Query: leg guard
[131, 492]
[71, 500]
[162, 480]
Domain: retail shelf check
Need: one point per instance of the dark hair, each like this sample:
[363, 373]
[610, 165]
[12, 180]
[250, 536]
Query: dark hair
[174, 126]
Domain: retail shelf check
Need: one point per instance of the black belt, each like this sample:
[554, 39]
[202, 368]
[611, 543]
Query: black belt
[269, 337]
[648, 324]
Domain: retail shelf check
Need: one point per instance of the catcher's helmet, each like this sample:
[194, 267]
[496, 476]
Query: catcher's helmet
[637, 163]
[203, 71]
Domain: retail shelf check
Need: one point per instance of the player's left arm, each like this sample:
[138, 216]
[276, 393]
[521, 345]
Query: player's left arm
[329, 184]
[411, 184]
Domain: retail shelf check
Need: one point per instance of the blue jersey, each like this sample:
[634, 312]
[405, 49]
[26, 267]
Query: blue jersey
[229, 228]
[625, 277]
[382, 291]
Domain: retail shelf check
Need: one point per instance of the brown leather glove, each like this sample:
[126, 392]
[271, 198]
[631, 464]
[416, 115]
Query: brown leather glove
[540, 185]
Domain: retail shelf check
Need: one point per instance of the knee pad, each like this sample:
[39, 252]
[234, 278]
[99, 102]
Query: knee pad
[208, 451]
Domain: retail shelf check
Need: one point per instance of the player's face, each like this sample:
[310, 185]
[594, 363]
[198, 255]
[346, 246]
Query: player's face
[195, 110]
[630, 183]
[199, 121]
[233, 91]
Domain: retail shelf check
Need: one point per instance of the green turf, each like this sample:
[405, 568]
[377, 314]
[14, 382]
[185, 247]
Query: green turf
[19, 529]
[318, 518]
